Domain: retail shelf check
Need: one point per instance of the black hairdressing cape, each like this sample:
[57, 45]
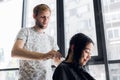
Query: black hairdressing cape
[70, 71]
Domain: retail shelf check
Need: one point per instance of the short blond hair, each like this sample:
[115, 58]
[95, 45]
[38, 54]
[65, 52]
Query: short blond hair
[40, 8]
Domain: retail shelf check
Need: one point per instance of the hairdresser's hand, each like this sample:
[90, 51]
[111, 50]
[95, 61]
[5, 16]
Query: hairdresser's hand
[57, 59]
[57, 55]
[52, 54]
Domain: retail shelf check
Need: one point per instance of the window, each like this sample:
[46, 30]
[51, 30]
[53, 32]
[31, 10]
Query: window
[114, 71]
[112, 31]
[10, 17]
[79, 18]
[112, 37]
[113, 34]
[95, 69]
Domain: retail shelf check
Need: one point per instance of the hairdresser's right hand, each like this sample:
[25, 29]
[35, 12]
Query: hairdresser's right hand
[52, 54]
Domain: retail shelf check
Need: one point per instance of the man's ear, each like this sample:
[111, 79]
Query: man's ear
[72, 47]
[34, 16]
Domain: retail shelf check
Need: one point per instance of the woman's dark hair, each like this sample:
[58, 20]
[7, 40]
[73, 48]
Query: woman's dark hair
[79, 41]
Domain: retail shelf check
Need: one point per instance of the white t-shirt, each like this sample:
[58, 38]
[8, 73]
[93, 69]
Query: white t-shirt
[38, 42]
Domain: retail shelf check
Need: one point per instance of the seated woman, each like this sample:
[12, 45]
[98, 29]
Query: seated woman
[72, 68]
